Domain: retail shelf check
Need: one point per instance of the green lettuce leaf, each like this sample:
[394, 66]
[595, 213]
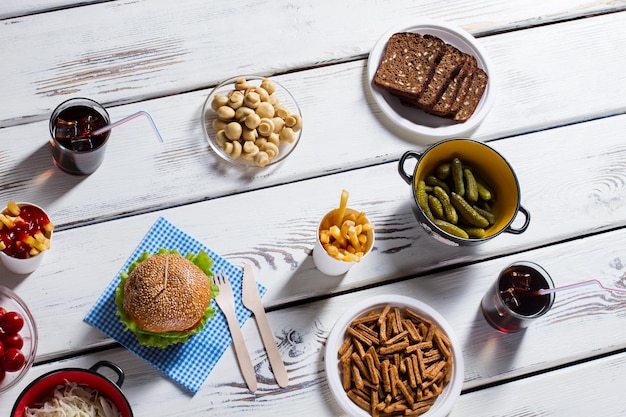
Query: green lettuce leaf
[203, 261]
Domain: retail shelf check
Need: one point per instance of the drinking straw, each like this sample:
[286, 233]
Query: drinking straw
[126, 119]
[545, 291]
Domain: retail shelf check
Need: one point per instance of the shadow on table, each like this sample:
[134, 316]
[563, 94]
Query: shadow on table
[10, 279]
[491, 352]
[37, 180]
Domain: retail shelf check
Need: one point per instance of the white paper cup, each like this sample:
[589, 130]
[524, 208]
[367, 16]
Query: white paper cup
[326, 263]
[27, 265]
[21, 266]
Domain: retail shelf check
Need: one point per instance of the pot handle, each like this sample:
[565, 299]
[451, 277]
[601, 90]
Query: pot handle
[113, 367]
[408, 154]
[524, 226]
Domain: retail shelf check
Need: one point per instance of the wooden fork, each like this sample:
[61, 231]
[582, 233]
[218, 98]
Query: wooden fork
[226, 301]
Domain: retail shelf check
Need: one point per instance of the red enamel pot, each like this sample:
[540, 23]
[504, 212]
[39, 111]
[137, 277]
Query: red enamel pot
[38, 390]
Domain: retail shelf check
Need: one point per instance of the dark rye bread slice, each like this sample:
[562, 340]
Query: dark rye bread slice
[408, 71]
[447, 68]
[473, 95]
[444, 104]
[408, 63]
[463, 89]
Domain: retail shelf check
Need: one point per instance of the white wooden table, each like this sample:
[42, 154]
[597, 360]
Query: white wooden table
[558, 118]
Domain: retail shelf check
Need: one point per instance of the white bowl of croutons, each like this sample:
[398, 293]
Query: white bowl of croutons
[393, 354]
[251, 121]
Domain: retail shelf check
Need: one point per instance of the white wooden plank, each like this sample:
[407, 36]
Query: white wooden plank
[580, 325]
[139, 174]
[113, 61]
[16, 8]
[590, 389]
[571, 179]
[567, 197]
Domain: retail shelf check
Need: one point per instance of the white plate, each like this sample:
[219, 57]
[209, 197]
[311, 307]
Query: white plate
[445, 401]
[417, 121]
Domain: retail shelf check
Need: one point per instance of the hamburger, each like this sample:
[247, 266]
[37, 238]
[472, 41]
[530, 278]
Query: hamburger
[165, 298]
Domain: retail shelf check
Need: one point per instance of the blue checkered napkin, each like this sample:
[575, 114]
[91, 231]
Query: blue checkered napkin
[190, 363]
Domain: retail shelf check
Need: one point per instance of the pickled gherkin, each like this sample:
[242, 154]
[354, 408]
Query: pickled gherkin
[467, 211]
[471, 187]
[453, 229]
[457, 177]
[422, 199]
[435, 207]
[448, 209]
[457, 200]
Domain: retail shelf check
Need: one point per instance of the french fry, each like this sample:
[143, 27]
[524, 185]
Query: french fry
[39, 237]
[349, 217]
[13, 208]
[354, 239]
[7, 221]
[336, 233]
[27, 221]
[325, 236]
[343, 204]
[48, 227]
[367, 227]
[332, 250]
[344, 232]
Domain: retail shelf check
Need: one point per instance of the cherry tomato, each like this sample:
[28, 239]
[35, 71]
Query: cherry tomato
[2, 373]
[3, 311]
[13, 360]
[1, 350]
[14, 340]
[12, 322]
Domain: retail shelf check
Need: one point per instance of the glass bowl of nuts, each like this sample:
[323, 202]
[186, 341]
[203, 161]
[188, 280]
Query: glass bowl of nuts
[251, 121]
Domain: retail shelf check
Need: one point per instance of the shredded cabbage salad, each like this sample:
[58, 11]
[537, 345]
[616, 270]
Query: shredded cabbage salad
[74, 400]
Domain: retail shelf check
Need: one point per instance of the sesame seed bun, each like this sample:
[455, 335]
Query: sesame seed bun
[166, 292]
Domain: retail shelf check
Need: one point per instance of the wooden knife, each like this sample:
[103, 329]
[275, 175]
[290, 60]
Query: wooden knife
[252, 300]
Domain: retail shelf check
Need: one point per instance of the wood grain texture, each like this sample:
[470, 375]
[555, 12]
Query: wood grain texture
[489, 356]
[570, 196]
[532, 94]
[558, 119]
[18, 8]
[554, 393]
[153, 57]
